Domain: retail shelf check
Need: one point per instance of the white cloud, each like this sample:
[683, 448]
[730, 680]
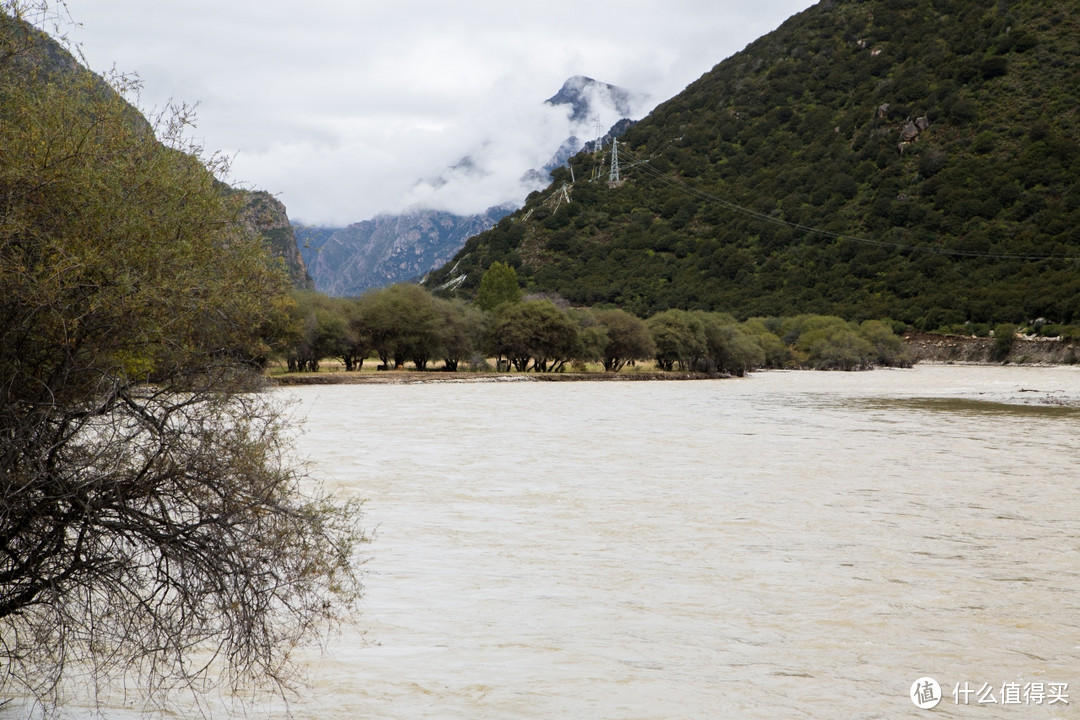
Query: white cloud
[344, 107]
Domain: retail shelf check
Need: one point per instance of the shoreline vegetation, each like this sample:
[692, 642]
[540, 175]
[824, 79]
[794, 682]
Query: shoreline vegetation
[502, 330]
[404, 333]
[925, 348]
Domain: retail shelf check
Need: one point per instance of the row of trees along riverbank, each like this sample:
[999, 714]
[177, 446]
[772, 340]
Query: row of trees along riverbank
[406, 324]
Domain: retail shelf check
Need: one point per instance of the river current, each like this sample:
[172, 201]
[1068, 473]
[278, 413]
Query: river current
[786, 545]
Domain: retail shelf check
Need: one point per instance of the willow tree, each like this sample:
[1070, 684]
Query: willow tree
[152, 526]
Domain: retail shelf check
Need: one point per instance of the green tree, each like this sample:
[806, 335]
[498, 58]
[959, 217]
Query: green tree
[828, 343]
[536, 332]
[152, 525]
[679, 339]
[357, 345]
[319, 329]
[591, 336]
[404, 323]
[776, 353]
[889, 349]
[628, 339]
[728, 349]
[462, 332]
[498, 286]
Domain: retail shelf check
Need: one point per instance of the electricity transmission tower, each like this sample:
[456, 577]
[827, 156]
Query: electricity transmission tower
[613, 177]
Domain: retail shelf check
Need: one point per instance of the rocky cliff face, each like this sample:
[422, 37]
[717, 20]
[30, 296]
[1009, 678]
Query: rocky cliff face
[265, 215]
[389, 248]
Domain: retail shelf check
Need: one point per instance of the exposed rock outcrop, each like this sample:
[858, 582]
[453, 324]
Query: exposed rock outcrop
[926, 347]
[265, 215]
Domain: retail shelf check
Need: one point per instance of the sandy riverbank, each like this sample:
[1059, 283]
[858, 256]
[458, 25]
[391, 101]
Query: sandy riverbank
[433, 376]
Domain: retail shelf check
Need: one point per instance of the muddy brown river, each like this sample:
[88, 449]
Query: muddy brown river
[788, 545]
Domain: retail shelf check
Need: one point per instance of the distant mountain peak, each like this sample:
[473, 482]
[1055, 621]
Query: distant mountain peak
[399, 247]
[583, 94]
[573, 86]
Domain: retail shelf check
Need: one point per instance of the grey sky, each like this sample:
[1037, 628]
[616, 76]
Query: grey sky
[343, 107]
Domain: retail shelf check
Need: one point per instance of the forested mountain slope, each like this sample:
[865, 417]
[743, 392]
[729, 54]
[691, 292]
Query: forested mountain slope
[912, 159]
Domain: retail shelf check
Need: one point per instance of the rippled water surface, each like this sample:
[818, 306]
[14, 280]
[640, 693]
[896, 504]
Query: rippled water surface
[788, 545]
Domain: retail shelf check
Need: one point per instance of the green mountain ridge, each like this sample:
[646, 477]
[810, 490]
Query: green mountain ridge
[911, 159]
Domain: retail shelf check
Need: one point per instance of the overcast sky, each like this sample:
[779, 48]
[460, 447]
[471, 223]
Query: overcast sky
[348, 108]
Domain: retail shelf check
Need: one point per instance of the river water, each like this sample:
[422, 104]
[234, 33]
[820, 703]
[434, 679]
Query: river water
[788, 545]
